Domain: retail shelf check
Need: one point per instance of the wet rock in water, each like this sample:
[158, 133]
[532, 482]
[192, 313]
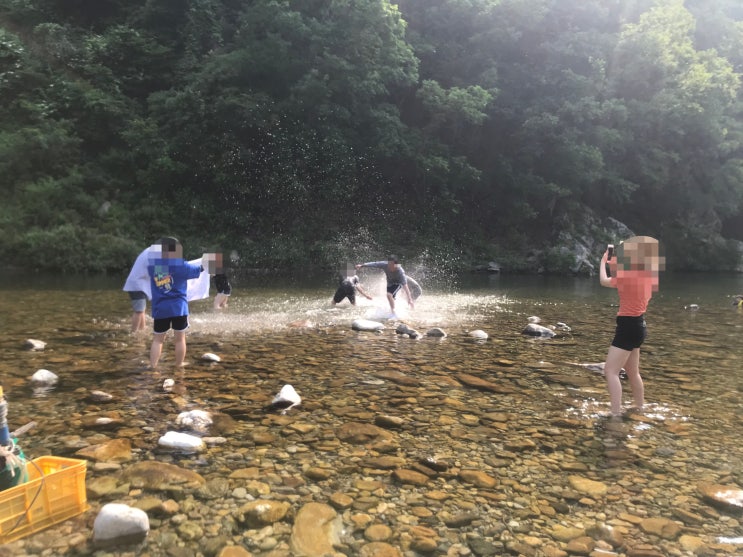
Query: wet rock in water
[358, 433]
[436, 332]
[181, 442]
[403, 329]
[534, 319]
[44, 377]
[410, 477]
[389, 422]
[161, 476]
[566, 533]
[692, 544]
[286, 399]
[197, 420]
[100, 396]
[317, 529]
[399, 378]
[570, 380]
[378, 533]
[688, 517]
[116, 450]
[223, 424]
[120, 525]
[379, 549]
[210, 357]
[662, 527]
[458, 520]
[106, 487]
[262, 512]
[534, 330]
[366, 325]
[234, 551]
[520, 445]
[478, 334]
[481, 384]
[589, 487]
[34, 345]
[725, 497]
[434, 464]
[580, 546]
[563, 327]
[478, 478]
[384, 462]
[110, 421]
[425, 540]
[644, 550]
[168, 385]
[606, 533]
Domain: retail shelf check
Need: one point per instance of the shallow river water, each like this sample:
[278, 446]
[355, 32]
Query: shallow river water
[436, 446]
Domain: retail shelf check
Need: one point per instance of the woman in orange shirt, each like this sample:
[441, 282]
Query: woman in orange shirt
[635, 276]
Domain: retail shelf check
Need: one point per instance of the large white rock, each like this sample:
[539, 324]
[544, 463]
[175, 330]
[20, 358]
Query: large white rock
[34, 344]
[44, 377]
[118, 524]
[286, 399]
[366, 325]
[197, 420]
[181, 442]
[478, 334]
[534, 330]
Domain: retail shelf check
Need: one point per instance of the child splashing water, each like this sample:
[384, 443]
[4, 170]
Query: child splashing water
[635, 276]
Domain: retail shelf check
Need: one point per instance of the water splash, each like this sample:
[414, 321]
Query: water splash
[274, 312]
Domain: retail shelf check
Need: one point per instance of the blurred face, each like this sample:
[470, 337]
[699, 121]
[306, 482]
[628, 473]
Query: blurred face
[641, 252]
[172, 251]
[391, 265]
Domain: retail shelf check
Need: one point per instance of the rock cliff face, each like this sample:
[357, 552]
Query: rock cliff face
[576, 249]
[588, 239]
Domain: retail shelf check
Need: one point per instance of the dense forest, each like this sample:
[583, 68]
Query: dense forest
[310, 131]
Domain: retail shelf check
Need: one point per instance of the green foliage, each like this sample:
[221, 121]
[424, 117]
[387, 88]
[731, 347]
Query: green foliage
[282, 127]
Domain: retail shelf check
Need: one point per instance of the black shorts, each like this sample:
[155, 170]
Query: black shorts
[393, 289]
[630, 333]
[222, 284]
[177, 323]
[345, 290]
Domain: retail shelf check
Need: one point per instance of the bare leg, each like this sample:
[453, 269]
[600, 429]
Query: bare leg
[138, 321]
[615, 361]
[180, 347]
[632, 367]
[156, 349]
[220, 301]
[391, 300]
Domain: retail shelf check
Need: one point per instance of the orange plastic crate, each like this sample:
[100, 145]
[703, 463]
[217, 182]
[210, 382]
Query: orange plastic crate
[54, 492]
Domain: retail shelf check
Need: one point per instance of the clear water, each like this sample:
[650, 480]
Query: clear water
[280, 330]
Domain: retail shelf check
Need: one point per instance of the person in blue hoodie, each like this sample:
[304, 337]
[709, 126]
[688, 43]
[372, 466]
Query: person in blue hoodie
[169, 275]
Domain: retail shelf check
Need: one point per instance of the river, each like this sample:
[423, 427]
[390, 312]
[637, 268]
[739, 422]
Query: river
[536, 424]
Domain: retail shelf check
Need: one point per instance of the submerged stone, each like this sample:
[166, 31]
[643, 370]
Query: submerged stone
[726, 497]
[316, 530]
[534, 330]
